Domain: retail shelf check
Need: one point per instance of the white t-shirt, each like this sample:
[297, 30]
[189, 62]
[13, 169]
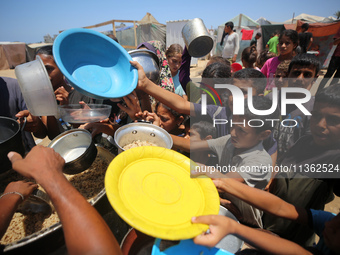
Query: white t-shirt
[231, 45]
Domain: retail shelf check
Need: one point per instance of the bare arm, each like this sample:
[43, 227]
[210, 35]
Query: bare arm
[9, 203]
[93, 236]
[33, 124]
[262, 200]
[221, 226]
[52, 126]
[176, 102]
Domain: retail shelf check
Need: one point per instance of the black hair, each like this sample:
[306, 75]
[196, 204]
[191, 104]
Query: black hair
[260, 103]
[259, 80]
[305, 26]
[45, 50]
[230, 24]
[204, 128]
[291, 34]
[305, 59]
[329, 95]
[249, 55]
[173, 112]
[217, 70]
[258, 34]
[113, 37]
[220, 59]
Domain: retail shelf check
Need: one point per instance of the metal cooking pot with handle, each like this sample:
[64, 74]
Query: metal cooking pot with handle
[10, 140]
[143, 132]
[197, 39]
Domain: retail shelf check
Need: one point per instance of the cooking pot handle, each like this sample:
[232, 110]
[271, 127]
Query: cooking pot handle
[23, 125]
[144, 121]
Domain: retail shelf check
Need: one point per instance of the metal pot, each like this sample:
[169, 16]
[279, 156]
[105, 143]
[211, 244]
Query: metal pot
[143, 132]
[77, 148]
[197, 39]
[150, 63]
[10, 140]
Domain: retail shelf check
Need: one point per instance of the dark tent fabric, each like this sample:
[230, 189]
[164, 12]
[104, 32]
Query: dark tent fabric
[267, 30]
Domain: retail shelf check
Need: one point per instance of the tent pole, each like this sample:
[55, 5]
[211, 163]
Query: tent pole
[113, 28]
[239, 21]
[134, 29]
[293, 17]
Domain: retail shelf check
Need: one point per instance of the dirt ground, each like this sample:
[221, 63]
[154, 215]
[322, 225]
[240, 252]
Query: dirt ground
[196, 72]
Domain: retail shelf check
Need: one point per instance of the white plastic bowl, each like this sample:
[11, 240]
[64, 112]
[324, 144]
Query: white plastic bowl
[36, 88]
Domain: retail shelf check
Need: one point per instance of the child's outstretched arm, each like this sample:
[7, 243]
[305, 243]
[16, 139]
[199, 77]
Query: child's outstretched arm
[172, 100]
[262, 200]
[221, 226]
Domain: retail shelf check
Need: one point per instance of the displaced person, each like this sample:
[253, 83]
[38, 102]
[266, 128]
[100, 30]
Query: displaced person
[249, 56]
[288, 41]
[305, 38]
[273, 42]
[230, 42]
[242, 157]
[254, 40]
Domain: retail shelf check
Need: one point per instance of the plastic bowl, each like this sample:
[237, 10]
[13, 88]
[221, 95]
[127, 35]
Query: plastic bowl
[78, 113]
[94, 64]
[36, 88]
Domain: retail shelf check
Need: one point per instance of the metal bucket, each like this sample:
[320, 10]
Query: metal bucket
[197, 39]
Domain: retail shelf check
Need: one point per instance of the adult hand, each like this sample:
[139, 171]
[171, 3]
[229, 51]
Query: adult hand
[61, 95]
[23, 187]
[132, 107]
[234, 59]
[33, 123]
[219, 227]
[40, 163]
[142, 79]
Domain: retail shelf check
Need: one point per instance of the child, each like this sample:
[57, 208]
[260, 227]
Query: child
[325, 224]
[249, 56]
[281, 75]
[263, 57]
[169, 119]
[288, 41]
[202, 131]
[242, 152]
[174, 56]
[321, 148]
[303, 70]
[273, 42]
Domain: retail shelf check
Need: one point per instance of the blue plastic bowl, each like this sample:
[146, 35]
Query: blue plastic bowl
[94, 64]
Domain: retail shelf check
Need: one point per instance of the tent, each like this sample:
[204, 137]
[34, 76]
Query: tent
[309, 19]
[241, 21]
[148, 28]
[12, 54]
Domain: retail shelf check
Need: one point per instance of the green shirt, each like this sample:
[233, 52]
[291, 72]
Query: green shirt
[272, 43]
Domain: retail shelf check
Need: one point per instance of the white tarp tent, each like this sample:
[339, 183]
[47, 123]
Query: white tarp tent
[309, 19]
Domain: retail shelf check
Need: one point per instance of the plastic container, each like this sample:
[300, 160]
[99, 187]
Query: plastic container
[36, 88]
[78, 113]
[94, 64]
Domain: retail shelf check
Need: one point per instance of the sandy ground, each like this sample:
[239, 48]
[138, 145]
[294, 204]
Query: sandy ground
[196, 72]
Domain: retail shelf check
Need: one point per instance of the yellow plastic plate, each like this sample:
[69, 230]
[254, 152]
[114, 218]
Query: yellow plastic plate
[151, 189]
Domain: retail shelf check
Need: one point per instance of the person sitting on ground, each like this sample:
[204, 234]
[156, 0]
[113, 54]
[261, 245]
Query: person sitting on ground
[325, 224]
[64, 93]
[248, 57]
[241, 156]
[93, 236]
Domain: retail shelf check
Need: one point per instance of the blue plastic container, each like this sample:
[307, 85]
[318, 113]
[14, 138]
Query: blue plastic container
[94, 64]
